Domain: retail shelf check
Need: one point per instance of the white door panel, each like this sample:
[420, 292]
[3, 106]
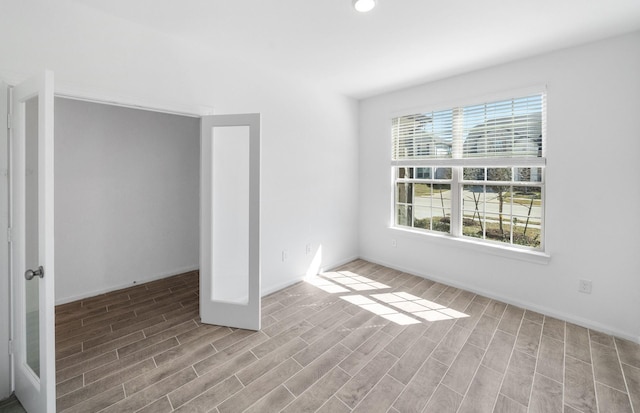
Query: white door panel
[32, 254]
[230, 221]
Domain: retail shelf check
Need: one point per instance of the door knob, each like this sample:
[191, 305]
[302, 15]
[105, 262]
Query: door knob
[29, 274]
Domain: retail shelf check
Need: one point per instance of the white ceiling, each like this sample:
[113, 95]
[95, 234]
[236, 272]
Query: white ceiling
[398, 44]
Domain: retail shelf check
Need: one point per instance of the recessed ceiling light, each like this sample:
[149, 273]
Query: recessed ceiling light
[364, 6]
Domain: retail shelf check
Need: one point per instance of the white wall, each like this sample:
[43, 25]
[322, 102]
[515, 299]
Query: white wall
[309, 135]
[592, 197]
[127, 196]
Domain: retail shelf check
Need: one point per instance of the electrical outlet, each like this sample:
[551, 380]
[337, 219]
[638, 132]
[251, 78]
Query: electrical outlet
[307, 249]
[585, 286]
[394, 243]
[285, 255]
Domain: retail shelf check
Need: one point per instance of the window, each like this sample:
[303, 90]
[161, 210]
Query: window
[473, 172]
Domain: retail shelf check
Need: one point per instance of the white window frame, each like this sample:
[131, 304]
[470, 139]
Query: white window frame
[457, 164]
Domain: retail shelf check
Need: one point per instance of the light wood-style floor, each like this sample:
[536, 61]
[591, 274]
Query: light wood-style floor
[363, 338]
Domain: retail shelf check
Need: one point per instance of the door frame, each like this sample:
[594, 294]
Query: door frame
[6, 366]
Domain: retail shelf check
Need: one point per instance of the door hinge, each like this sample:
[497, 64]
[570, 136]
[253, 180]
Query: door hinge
[9, 121]
[10, 346]
[9, 235]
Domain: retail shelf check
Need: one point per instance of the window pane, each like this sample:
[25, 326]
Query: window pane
[498, 174]
[473, 174]
[405, 173]
[498, 199]
[423, 173]
[498, 228]
[422, 217]
[403, 215]
[527, 209]
[443, 173]
[441, 207]
[528, 175]
[404, 193]
[422, 194]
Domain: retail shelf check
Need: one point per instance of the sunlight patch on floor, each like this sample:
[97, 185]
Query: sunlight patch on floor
[399, 307]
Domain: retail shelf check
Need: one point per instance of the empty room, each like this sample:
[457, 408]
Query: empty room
[334, 206]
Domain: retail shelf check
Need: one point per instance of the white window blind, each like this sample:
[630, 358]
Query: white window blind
[511, 128]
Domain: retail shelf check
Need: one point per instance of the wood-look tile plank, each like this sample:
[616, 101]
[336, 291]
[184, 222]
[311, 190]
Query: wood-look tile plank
[483, 332]
[528, 339]
[315, 370]
[606, 367]
[260, 387]
[248, 342]
[533, 316]
[273, 402]
[495, 309]
[551, 359]
[474, 312]
[174, 331]
[444, 400]
[417, 393]
[482, 393]
[281, 339]
[403, 341]
[212, 397]
[519, 378]
[159, 406]
[554, 328]
[629, 352]
[69, 385]
[84, 356]
[95, 388]
[334, 405]
[357, 388]
[499, 351]
[122, 363]
[546, 396]
[312, 399]
[449, 347]
[578, 343]
[412, 360]
[264, 364]
[79, 368]
[361, 333]
[612, 400]
[175, 351]
[204, 382]
[579, 390]
[381, 396]
[632, 377]
[601, 338]
[463, 369]
[363, 354]
[506, 405]
[138, 400]
[95, 404]
[511, 319]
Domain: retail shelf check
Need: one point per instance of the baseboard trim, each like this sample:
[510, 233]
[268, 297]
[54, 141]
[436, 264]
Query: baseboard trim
[145, 280]
[272, 289]
[522, 304]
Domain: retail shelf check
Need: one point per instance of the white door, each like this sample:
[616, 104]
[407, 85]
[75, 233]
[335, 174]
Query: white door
[230, 220]
[32, 243]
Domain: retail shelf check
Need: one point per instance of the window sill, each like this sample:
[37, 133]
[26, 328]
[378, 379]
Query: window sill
[537, 257]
